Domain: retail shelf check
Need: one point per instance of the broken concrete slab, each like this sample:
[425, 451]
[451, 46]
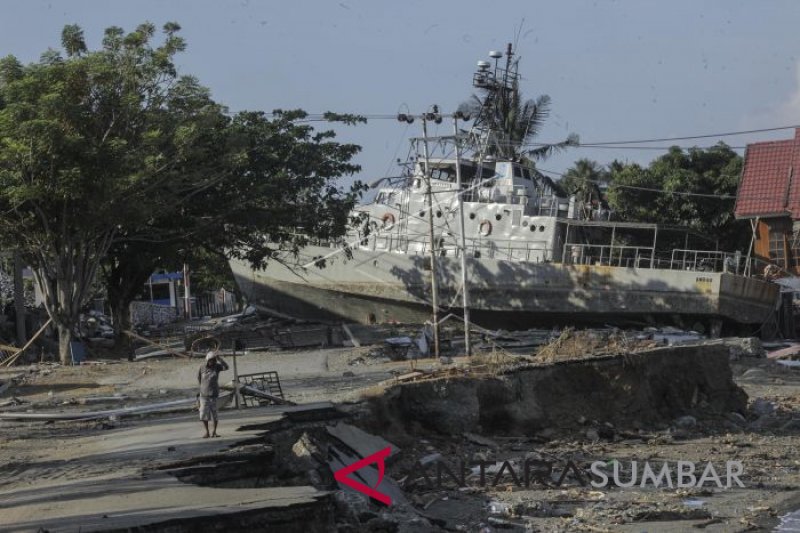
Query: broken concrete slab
[360, 441]
[339, 458]
[160, 502]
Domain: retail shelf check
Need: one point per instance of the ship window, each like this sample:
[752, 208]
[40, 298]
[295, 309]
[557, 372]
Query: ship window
[498, 216]
[541, 228]
[525, 224]
[444, 173]
[422, 213]
[438, 214]
[472, 216]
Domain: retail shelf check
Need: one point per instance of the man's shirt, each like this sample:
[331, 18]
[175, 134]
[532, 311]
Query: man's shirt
[208, 378]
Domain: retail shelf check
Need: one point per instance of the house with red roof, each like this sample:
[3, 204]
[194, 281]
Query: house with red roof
[769, 196]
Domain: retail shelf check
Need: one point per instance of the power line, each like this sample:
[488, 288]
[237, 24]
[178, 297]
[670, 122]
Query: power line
[690, 137]
[648, 189]
[314, 117]
[659, 148]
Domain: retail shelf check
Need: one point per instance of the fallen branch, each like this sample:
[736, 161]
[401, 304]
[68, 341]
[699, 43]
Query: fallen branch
[247, 390]
[151, 343]
[14, 357]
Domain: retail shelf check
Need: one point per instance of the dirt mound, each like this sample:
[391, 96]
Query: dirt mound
[627, 390]
[573, 344]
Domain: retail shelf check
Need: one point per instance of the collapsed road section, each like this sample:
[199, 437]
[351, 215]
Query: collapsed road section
[480, 444]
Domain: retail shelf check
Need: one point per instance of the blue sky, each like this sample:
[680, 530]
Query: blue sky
[615, 70]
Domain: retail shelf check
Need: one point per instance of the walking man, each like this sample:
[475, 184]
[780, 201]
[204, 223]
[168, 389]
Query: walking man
[208, 378]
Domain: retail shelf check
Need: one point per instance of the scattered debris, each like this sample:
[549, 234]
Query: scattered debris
[94, 415]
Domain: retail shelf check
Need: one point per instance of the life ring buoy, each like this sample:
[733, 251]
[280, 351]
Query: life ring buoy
[485, 228]
[388, 220]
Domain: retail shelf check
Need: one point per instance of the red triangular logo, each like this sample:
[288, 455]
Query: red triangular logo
[377, 457]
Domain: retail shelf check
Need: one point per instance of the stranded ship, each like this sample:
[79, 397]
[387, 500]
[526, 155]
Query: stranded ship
[466, 214]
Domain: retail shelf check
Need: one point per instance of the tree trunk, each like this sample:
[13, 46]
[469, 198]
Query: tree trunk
[64, 338]
[19, 299]
[123, 279]
[121, 315]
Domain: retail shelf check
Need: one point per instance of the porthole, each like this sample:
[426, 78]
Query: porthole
[422, 213]
[472, 216]
[498, 216]
[524, 223]
[533, 228]
[541, 228]
[438, 214]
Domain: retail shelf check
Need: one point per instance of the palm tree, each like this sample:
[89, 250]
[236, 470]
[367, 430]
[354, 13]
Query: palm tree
[514, 123]
[583, 180]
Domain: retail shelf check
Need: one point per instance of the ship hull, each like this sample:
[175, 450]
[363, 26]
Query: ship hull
[381, 287]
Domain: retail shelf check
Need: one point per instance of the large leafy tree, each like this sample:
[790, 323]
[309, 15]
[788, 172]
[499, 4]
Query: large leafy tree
[274, 188]
[106, 155]
[85, 139]
[657, 193]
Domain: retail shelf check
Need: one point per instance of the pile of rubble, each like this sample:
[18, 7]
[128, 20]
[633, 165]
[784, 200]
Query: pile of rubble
[458, 449]
[95, 325]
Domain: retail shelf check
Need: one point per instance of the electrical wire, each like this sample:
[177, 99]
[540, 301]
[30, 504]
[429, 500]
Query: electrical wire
[648, 189]
[315, 117]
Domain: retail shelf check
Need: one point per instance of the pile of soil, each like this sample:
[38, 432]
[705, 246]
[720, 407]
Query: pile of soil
[634, 390]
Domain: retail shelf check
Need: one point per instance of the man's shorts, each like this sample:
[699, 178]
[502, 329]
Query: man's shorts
[208, 409]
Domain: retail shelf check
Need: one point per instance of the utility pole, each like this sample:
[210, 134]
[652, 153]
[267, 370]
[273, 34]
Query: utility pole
[437, 118]
[186, 301]
[238, 344]
[464, 286]
[429, 195]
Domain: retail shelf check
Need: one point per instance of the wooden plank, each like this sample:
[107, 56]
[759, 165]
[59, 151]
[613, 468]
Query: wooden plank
[351, 336]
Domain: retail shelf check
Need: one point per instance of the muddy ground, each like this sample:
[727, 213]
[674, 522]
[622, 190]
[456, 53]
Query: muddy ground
[762, 436]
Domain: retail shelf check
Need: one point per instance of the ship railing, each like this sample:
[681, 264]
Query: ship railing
[607, 255]
[529, 251]
[707, 261]
[536, 251]
[646, 257]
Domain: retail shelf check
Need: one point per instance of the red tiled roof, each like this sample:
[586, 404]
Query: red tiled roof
[770, 183]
